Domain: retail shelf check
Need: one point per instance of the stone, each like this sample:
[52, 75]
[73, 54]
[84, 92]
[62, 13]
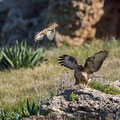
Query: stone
[20, 20]
[79, 20]
[75, 18]
[89, 104]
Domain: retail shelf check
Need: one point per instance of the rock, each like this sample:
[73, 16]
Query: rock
[83, 20]
[109, 25]
[75, 18]
[20, 20]
[89, 103]
[116, 84]
[79, 20]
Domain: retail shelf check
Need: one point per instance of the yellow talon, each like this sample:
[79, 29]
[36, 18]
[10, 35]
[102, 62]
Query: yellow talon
[83, 86]
[77, 88]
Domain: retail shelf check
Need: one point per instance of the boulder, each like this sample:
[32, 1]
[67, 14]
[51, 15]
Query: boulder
[89, 105]
[20, 20]
[76, 19]
[109, 23]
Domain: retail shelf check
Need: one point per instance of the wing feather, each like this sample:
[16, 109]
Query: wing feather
[69, 62]
[94, 63]
[39, 36]
[50, 32]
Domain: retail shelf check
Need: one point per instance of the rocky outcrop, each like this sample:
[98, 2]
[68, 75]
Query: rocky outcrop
[20, 20]
[89, 104]
[75, 18]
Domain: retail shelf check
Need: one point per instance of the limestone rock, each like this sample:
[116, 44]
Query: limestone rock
[76, 19]
[109, 23]
[20, 20]
[89, 103]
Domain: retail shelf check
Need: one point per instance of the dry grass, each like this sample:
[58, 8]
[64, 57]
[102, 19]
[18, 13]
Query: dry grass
[20, 84]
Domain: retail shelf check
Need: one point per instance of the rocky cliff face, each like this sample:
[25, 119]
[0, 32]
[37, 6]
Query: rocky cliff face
[76, 19]
[20, 20]
[109, 23]
[79, 20]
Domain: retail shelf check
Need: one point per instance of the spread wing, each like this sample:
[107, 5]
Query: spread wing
[68, 61]
[51, 34]
[49, 31]
[39, 36]
[94, 63]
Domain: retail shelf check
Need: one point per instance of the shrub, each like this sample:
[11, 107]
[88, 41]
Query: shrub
[31, 110]
[20, 55]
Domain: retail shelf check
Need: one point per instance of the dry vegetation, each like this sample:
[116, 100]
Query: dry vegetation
[17, 85]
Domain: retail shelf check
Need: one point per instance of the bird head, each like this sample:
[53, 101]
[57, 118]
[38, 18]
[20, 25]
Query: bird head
[55, 24]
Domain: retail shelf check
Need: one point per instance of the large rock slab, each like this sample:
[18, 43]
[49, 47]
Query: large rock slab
[89, 104]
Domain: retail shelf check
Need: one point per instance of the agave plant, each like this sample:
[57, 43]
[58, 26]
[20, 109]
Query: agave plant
[30, 110]
[4, 115]
[20, 55]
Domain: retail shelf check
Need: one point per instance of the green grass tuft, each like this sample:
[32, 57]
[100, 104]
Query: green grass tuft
[108, 89]
[72, 97]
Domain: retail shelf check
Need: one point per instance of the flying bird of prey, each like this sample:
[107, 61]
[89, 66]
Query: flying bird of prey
[49, 32]
[82, 73]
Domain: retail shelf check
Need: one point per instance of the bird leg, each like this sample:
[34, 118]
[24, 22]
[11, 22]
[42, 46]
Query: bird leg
[83, 86]
[77, 87]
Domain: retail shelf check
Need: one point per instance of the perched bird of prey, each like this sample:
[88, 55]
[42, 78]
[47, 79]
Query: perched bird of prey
[49, 32]
[82, 73]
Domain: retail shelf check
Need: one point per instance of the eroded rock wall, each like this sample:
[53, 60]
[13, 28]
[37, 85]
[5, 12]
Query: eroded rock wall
[76, 19]
[21, 19]
[79, 20]
[109, 24]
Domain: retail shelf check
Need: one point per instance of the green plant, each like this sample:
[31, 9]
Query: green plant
[78, 117]
[107, 88]
[4, 115]
[22, 110]
[46, 112]
[72, 97]
[15, 116]
[20, 55]
[31, 110]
